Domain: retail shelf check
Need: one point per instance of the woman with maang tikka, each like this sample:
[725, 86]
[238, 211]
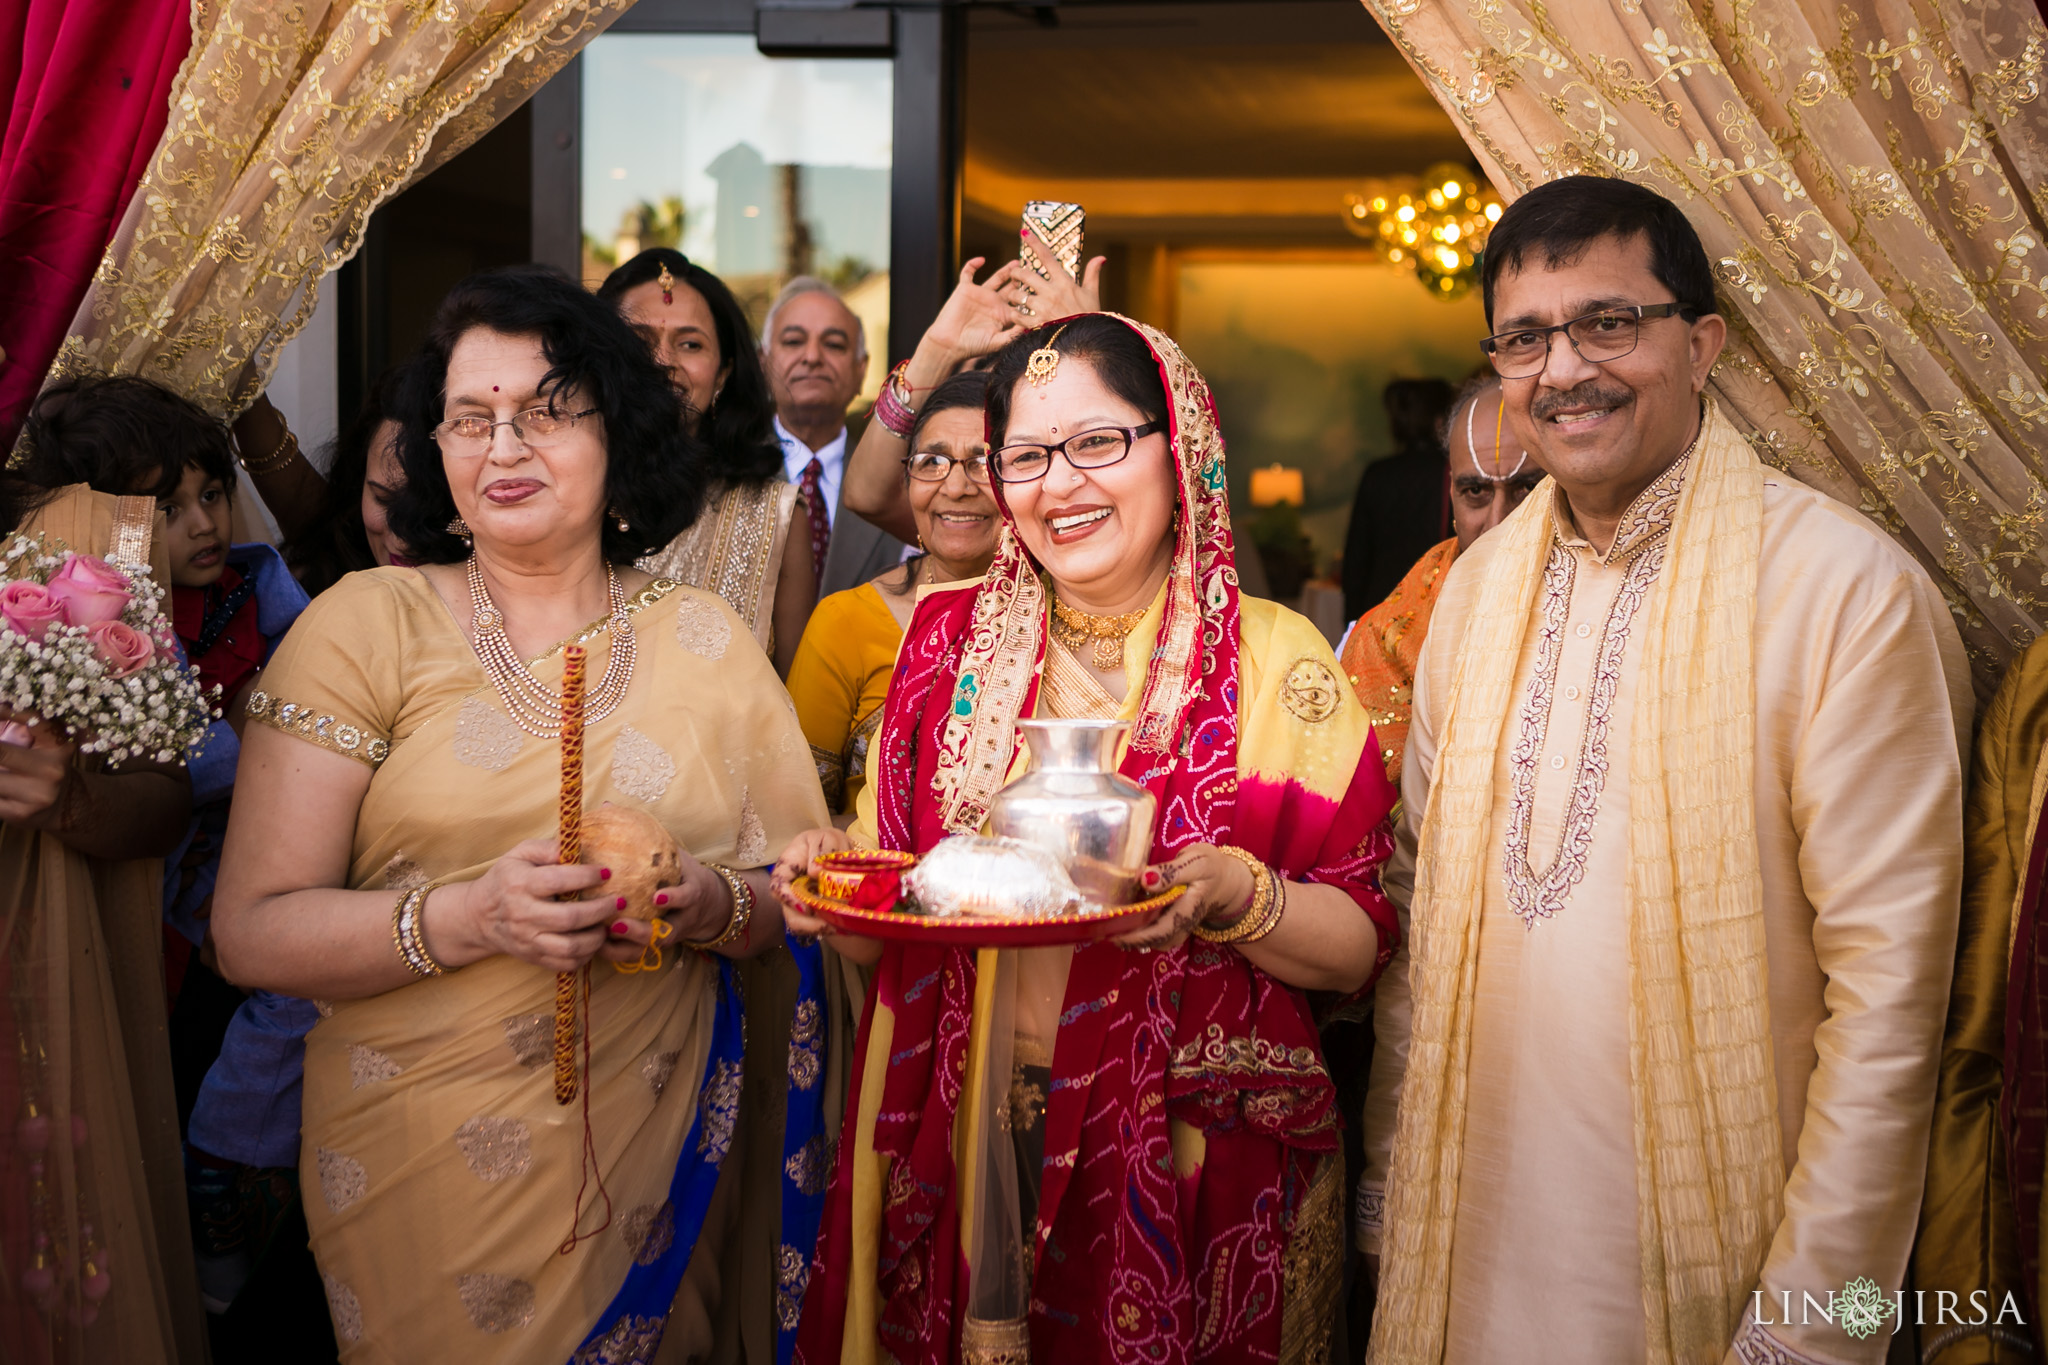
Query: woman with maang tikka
[1097, 1152]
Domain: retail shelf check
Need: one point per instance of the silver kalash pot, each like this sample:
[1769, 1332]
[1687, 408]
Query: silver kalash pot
[1073, 803]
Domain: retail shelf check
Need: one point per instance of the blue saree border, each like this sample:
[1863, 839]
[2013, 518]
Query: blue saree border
[629, 1330]
[806, 1148]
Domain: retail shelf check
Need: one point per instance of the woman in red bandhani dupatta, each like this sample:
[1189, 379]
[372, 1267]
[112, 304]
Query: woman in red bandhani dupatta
[1150, 1117]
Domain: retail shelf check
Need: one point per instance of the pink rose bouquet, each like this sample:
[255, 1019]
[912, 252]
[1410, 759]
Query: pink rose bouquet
[122, 647]
[84, 645]
[29, 611]
[91, 590]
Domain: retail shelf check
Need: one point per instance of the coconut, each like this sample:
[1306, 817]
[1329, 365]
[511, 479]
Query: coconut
[640, 853]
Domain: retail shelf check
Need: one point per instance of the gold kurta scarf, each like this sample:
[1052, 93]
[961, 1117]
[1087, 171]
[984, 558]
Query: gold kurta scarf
[1709, 1165]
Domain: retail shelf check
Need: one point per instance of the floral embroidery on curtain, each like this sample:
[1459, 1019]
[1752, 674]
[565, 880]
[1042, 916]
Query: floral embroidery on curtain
[289, 124]
[1871, 182]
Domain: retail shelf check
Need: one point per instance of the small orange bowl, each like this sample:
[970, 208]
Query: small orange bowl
[840, 874]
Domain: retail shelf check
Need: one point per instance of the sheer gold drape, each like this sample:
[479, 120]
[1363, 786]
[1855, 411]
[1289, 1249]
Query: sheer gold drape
[1871, 182]
[290, 122]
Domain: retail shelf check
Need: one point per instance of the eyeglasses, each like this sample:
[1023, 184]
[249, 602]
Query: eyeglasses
[536, 428]
[932, 466]
[1598, 337]
[1084, 450]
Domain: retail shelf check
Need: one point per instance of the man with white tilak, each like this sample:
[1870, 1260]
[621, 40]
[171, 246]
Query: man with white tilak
[1682, 846]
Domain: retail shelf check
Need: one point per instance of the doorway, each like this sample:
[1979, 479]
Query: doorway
[1212, 145]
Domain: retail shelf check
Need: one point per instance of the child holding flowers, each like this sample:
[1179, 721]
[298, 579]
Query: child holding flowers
[237, 1060]
[92, 1217]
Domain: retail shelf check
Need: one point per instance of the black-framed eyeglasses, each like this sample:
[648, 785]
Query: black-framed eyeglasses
[934, 466]
[1091, 449]
[537, 428]
[1598, 337]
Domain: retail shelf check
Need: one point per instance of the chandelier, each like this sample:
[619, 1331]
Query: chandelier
[1435, 226]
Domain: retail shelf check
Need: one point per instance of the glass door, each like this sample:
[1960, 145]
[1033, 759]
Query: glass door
[757, 168]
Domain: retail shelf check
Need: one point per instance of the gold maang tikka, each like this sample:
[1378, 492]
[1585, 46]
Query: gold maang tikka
[1045, 361]
[667, 283]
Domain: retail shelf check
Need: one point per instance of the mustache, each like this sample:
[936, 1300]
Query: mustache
[1591, 394]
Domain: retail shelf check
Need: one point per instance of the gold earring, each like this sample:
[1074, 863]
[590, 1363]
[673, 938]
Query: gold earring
[621, 522]
[460, 530]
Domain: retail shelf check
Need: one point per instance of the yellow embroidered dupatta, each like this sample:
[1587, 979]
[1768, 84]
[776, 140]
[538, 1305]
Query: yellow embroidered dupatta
[446, 1174]
[1710, 1169]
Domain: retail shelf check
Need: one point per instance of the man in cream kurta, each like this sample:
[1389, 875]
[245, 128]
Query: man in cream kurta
[1861, 692]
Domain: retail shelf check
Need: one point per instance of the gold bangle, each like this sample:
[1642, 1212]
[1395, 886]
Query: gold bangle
[1260, 916]
[1274, 911]
[286, 451]
[742, 910]
[407, 931]
[417, 934]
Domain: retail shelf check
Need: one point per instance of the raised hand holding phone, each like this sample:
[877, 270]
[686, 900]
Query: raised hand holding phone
[1050, 281]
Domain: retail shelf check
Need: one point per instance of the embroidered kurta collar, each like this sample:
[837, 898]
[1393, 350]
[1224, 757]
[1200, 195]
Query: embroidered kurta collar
[1647, 520]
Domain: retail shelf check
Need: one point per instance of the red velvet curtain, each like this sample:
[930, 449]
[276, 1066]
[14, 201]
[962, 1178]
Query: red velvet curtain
[84, 92]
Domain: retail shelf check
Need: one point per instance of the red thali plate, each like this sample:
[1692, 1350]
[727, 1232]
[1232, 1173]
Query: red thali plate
[960, 932]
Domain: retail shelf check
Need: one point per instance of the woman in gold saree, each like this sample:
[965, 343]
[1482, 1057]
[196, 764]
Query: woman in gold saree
[391, 856]
[1177, 1185]
[749, 545]
[95, 1251]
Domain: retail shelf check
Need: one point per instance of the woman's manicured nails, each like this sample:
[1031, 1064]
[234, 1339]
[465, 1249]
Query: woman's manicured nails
[619, 928]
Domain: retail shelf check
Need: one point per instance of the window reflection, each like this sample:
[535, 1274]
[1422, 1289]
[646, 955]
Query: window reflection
[757, 168]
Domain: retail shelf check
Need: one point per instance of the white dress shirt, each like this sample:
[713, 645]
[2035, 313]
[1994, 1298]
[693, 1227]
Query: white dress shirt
[795, 455]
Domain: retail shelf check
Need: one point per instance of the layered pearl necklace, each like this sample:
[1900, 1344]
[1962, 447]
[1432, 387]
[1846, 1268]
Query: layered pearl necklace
[534, 706]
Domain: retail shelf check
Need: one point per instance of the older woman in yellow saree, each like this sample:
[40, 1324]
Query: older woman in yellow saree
[391, 855]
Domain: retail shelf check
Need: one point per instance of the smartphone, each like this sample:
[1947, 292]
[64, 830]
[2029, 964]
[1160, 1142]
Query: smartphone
[1059, 227]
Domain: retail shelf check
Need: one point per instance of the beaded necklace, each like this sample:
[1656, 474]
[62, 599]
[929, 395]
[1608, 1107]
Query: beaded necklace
[534, 706]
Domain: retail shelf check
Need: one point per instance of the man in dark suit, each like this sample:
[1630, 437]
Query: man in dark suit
[1403, 503]
[816, 353]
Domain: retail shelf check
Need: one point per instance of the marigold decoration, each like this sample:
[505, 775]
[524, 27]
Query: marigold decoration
[1436, 226]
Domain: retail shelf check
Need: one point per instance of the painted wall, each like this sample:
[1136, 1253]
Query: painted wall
[1298, 352]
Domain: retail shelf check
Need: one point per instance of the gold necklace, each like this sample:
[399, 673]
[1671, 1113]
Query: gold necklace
[1074, 628]
[534, 706]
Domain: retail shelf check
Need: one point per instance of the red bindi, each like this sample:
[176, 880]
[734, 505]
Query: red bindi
[494, 388]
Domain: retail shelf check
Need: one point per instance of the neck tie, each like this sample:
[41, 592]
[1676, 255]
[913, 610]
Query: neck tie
[821, 519]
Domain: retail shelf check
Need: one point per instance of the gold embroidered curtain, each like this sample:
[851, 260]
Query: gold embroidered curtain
[290, 122]
[1871, 182]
